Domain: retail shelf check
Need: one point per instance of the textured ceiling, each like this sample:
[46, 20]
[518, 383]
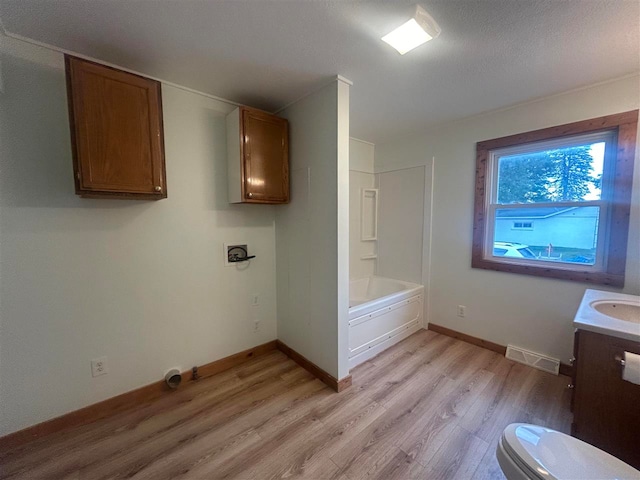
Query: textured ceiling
[491, 53]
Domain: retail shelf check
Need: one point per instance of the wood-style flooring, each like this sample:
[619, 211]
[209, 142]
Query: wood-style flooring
[431, 407]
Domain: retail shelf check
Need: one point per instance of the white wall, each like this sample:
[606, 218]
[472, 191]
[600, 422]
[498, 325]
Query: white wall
[141, 282]
[342, 213]
[312, 232]
[361, 158]
[534, 313]
[361, 155]
[401, 224]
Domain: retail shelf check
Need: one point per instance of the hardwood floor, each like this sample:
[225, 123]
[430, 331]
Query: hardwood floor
[431, 407]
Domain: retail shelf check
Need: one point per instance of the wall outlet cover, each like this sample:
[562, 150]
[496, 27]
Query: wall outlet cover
[99, 367]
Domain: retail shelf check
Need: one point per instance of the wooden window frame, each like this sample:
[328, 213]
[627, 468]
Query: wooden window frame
[625, 127]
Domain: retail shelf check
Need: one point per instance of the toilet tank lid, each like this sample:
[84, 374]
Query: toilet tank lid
[556, 456]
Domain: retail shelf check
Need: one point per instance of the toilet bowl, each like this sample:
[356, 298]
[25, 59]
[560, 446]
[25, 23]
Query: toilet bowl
[531, 452]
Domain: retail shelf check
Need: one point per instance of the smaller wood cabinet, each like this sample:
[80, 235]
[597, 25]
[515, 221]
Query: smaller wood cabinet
[606, 408]
[116, 132]
[258, 157]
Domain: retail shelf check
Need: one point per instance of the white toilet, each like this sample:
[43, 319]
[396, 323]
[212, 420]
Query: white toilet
[531, 452]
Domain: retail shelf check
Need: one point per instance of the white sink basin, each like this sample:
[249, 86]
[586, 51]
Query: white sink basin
[627, 311]
[609, 313]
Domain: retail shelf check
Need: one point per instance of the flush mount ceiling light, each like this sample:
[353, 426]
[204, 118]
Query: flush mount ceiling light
[420, 29]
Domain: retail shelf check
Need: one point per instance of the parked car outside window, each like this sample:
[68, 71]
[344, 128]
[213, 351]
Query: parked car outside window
[517, 250]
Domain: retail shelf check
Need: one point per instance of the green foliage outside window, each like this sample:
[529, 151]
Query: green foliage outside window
[564, 174]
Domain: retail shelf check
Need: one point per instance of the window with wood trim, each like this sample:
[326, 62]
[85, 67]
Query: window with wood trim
[573, 182]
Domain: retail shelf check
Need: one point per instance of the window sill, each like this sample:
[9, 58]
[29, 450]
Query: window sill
[574, 275]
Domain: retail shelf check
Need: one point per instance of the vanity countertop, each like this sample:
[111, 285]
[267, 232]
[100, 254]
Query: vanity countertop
[589, 318]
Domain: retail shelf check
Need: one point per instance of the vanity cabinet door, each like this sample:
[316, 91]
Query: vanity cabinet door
[607, 408]
[116, 132]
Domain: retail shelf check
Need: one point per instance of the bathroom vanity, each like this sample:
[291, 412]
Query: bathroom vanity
[606, 408]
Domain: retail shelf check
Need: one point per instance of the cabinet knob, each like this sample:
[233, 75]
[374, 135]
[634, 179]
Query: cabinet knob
[570, 386]
[158, 188]
[619, 360]
[249, 195]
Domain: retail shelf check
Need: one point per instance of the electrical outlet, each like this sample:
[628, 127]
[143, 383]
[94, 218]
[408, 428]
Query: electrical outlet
[256, 325]
[462, 311]
[99, 367]
[255, 299]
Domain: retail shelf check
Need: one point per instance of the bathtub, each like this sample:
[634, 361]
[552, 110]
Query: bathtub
[382, 311]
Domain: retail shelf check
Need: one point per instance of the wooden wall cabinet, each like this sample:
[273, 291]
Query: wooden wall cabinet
[606, 409]
[258, 157]
[116, 132]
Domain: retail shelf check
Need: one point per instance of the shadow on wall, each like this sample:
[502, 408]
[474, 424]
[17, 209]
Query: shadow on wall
[35, 146]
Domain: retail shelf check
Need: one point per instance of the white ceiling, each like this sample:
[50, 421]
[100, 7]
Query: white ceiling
[267, 53]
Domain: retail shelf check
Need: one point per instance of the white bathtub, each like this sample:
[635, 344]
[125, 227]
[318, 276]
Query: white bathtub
[382, 311]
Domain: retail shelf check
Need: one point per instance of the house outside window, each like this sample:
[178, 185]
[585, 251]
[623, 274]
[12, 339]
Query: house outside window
[573, 183]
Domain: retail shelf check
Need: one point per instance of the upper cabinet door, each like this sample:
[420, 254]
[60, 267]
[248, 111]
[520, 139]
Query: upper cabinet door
[258, 155]
[265, 157]
[116, 132]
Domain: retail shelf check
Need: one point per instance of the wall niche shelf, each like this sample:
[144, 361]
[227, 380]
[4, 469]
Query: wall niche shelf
[369, 215]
